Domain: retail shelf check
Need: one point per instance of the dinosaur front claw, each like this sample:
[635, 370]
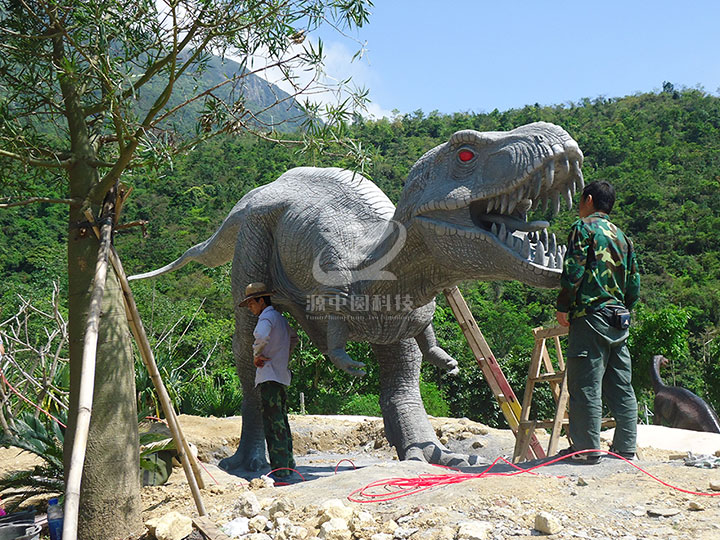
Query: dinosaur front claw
[438, 357]
[342, 360]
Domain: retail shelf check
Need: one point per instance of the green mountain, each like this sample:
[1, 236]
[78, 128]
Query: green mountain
[262, 102]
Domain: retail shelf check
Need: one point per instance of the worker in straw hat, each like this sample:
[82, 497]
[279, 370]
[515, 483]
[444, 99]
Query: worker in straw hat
[274, 341]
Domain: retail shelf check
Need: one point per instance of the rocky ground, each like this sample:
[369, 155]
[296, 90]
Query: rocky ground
[338, 455]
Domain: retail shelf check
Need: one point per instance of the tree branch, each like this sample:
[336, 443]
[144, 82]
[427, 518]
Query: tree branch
[32, 200]
[56, 164]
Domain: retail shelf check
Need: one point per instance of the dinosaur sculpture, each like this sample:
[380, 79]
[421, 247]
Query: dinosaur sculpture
[678, 407]
[348, 265]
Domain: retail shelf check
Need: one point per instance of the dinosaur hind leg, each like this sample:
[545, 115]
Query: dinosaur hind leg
[250, 454]
[406, 423]
[250, 264]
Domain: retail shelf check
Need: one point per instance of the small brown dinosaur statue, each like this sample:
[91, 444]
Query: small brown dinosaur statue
[678, 407]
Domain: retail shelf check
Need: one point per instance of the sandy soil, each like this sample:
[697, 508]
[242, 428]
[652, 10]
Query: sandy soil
[613, 499]
[338, 455]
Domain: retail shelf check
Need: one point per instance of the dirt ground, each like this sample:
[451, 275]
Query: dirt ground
[610, 500]
[337, 455]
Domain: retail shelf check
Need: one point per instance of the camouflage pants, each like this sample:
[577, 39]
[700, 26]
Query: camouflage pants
[277, 428]
[599, 369]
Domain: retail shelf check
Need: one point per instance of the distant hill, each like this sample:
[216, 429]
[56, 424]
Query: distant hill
[256, 94]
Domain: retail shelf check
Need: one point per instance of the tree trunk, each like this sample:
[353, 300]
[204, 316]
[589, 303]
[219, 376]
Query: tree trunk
[110, 493]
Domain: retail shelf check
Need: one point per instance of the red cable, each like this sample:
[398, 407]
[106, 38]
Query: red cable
[344, 459]
[405, 487]
[2, 376]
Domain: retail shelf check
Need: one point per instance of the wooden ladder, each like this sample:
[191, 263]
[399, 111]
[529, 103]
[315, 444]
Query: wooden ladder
[557, 378]
[492, 372]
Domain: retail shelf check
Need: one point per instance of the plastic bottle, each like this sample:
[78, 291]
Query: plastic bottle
[55, 519]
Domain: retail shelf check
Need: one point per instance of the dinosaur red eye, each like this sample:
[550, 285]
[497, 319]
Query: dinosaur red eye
[465, 155]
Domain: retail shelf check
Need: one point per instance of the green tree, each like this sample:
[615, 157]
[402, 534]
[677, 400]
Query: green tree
[85, 95]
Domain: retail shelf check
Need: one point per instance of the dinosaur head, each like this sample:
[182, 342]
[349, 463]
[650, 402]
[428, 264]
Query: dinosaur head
[470, 196]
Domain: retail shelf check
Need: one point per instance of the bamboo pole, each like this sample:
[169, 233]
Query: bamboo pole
[190, 466]
[192, 471]
[87, 387]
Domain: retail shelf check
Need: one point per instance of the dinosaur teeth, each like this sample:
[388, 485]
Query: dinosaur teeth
[550, 173]
[568, 198]
[564, 164]
[504, 204]
[502, 233]
[544, 239]
[579, 180]
[536, 185]
[556, 203]
[540, 257]
[551, 261]
[494, 229]
[552, 244]
[525, 252]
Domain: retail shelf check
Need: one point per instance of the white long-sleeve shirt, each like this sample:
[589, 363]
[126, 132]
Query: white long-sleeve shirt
[274, 339]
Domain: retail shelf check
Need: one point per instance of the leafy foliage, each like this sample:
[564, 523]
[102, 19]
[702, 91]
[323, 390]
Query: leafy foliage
[45, 440]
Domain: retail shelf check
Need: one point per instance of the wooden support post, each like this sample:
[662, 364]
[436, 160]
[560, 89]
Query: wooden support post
[189, 463]
[190, 466]
[86, 390]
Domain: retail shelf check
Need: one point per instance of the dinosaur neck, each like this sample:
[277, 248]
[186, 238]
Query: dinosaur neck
[657, 382]
[418, 278]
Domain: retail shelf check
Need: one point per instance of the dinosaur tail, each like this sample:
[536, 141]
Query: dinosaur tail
[216, 250]
[657, 382]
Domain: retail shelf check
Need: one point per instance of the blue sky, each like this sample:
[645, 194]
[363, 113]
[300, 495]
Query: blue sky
[464, 55]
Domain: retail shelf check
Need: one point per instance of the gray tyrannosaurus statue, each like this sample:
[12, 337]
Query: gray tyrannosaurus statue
[348, 265]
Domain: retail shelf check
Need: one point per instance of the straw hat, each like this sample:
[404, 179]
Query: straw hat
[255, 290]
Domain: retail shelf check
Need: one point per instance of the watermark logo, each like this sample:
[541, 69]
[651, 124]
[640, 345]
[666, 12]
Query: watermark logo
[375, 271]
[328, 303]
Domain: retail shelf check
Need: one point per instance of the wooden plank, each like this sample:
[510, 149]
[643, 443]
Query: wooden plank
[553, 331]
[209, 529]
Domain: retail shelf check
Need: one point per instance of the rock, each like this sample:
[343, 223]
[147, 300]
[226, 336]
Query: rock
[281, 505]
[247, 505]
[237, 527]
[477, 444]
[334, 508]
[546, 523]
[362, 522]
[443, 533]
[378, 443]
[171, 526]
[660, 511]
[258, 524]
[715, 485]
[257, 536]
[216, 489]
[695, 506]
[478, 430]
[465, 435]
[381, 536]
[402, 532]
[474, 530]
[443, 440]
[582, 482]
[335, 529]
[389, 527]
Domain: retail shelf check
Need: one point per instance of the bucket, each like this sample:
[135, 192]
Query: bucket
[22, 531]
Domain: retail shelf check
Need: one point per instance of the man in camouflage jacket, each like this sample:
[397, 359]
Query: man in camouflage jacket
[599, 285]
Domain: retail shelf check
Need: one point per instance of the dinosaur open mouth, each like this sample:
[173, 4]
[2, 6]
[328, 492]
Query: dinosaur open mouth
[502, 217]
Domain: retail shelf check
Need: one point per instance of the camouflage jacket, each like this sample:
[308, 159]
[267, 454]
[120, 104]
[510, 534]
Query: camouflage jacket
[600, 268]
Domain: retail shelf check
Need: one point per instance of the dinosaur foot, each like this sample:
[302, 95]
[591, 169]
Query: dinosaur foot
[247, 458]
[438, 357]
[437, 454]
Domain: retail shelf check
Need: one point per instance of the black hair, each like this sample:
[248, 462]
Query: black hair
[603, 195]
[268, 302]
